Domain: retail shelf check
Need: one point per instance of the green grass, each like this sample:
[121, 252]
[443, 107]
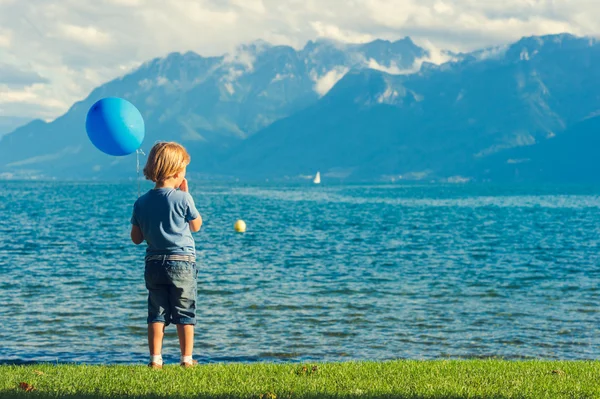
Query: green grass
[392, 379]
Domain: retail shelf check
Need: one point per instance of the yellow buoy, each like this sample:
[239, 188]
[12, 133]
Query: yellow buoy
[240, 226]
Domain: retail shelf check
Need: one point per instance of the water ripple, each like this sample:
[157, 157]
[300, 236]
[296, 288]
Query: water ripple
[323, 273]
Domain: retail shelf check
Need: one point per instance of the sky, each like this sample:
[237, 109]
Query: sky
[53, 53]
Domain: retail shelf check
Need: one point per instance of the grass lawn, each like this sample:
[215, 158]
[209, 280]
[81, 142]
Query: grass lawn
[391, 379]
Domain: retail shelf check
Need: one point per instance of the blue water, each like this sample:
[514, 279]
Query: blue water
[322, 274]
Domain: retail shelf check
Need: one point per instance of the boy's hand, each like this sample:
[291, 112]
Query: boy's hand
[184, 186]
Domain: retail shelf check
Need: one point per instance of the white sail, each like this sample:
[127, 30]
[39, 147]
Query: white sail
[317, 179]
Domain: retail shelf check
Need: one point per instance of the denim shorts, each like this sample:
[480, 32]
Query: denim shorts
[171, 291]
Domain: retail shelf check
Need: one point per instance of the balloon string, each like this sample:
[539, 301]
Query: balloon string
[137, 156]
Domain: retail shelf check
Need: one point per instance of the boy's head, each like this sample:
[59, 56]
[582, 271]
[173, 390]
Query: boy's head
[166, 160]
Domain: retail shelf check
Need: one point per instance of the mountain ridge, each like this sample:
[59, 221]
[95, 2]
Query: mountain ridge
[355, 111]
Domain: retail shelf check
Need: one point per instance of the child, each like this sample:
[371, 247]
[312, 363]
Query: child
[165, 217]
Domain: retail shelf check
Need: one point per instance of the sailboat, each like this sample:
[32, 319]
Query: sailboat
[317, 179]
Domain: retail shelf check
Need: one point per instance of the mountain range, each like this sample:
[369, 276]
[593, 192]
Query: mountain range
[374, 111]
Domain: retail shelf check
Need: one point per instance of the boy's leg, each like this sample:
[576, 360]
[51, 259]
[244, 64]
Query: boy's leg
[186, 338]
[182, 297]
[158, 308]
[156, 332]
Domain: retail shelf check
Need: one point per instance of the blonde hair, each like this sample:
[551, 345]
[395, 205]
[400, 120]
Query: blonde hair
[165, 160]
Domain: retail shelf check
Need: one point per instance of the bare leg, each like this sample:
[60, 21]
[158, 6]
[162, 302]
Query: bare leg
[185, 332]
[156, 332]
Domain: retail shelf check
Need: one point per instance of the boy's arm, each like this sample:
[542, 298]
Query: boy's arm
[194, 221]
[196, 224]
[136, 235]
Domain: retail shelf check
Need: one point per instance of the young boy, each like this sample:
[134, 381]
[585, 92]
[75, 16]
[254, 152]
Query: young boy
[165, 217]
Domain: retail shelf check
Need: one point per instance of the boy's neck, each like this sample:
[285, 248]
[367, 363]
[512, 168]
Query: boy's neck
[165, 184]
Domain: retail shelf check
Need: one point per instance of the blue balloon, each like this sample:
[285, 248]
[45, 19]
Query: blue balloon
[115, 126]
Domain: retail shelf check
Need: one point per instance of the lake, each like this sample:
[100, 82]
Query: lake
[323, 273]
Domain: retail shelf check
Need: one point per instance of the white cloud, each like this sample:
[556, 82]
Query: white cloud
[232, 75]
[30, 95]
[13, 96]
[78, 45]
[88, 35]
[434, 56]
[242, 57]
[5, 39]
[468, 24]
[255, 6]
[333, 32]
[324, 83]
[16, 103]
[127, 3]
[443, 9]
[393, 69]
[491, 52]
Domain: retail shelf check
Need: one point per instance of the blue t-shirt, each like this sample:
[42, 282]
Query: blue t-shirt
[163, 215]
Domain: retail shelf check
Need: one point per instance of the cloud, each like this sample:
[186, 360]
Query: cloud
[5, 39]
[392, 69]
[243, 57]
[333, 32]
[87, 35]
[78, 45]
[126, 3]
[469, 24]
[255, 6]
[434, 55]
[30, 95]
[14, 77]
[324, 83]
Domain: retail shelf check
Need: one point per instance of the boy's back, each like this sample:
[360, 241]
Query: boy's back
[163, 215]
[165, 218]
